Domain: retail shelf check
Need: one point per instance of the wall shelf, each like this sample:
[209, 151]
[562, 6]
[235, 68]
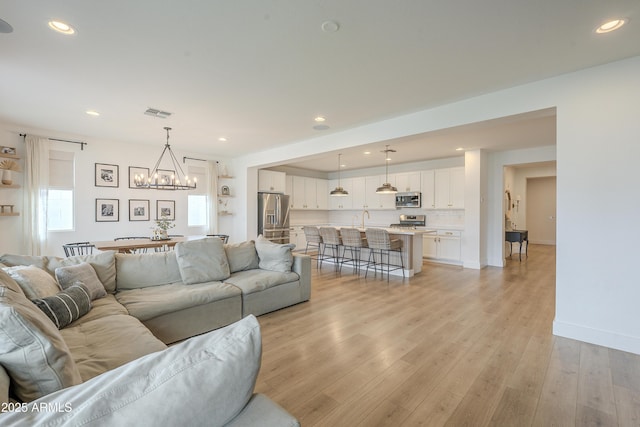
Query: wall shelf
[225, 177]
[9, 156]
[10, 214]
[9, 186]
[225, 213]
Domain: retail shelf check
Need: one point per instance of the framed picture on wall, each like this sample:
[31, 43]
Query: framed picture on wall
[107, 210]
[107, 175]
[166, 209]
[139, 210]
[138, 176]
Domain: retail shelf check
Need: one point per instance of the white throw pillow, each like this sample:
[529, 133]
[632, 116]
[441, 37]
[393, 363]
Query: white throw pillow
[83, 273]
[204, 381]
[32, 351]
[274, 257]
[202, 260]
[34, 281]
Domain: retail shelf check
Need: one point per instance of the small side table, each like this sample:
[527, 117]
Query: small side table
[518, 236]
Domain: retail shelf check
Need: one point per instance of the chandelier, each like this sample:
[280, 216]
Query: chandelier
[387, 188]
[166, 179]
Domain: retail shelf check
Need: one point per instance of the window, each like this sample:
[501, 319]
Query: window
[60, 193]
[59, 210]
[197, 210]
[197, 204]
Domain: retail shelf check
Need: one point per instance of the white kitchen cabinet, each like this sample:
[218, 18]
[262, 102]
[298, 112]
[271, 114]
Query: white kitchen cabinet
[428, 189]
[272, 181]
[449, 188]
[296, 236]
[341, 202]
[444, 246]
[374, 200]
[359, 193]
[408, 182]
[308, 193]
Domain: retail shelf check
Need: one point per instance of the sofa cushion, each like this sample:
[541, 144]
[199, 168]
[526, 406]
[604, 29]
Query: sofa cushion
[34, 281]
[147, 303]
[31, 348]
[84, 273]
[66, 306]
[99, 344]
[273, 256]
[242, 256]
[103, 263]
[206, 380]
[202, 260]
[143, 270]
[251, 281]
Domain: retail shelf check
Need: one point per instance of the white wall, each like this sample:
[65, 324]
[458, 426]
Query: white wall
[86, 228]
[597, 152]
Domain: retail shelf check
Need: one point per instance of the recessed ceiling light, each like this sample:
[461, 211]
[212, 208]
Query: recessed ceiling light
[330, 26]
[222, 139]
[321, 127]
[459, 149]
[5, 27]
[92, 113]
[62, 27]
[611, 25]
[319, 119]
[343, 166]
[367, 152]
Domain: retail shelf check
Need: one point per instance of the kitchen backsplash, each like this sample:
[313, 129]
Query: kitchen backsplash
[380, 218]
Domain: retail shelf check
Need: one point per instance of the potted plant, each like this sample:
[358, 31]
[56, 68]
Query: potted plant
[160, 230]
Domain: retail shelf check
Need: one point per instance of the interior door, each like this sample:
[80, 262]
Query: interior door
[541, 210]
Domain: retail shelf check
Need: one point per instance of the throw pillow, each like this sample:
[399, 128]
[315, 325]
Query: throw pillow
[66, 306]
[273, 256]
[212, 376]
[84, 273]
[242, 256]
[202, 260]
[34, 281]
[32, 351]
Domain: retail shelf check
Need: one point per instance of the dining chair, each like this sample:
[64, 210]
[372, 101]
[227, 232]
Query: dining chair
[381, 244]
[133, 251]
[166, 248]
[223, 237]
[78, 248]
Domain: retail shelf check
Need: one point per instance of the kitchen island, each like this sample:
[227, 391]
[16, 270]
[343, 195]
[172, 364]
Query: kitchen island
[411, 248]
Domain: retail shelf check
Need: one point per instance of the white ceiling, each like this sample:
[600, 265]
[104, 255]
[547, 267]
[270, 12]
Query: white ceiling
[259, 71]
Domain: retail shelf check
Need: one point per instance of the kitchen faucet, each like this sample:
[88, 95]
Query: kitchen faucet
[368, 216]
[353, 223]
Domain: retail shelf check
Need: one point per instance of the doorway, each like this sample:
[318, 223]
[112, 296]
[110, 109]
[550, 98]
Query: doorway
[541, 210]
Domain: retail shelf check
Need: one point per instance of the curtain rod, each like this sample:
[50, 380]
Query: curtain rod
[82, 144]
[184, 159]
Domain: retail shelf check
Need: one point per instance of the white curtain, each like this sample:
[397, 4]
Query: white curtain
[36, 181]
[212, 185]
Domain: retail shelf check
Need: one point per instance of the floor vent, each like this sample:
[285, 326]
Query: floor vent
[157, 113]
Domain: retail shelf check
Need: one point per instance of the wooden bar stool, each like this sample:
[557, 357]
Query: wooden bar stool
[331, 238]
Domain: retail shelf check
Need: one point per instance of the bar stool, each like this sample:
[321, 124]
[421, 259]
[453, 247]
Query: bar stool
[352, 240]
[380, 243]
[331, 238]
[314, 240]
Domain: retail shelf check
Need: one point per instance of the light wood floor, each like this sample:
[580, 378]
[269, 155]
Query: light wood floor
[449, 347]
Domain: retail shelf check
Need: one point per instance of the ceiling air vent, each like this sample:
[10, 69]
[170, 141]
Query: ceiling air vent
[157, 113]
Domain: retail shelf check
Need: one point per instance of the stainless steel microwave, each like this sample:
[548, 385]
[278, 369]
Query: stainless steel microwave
[409, 200]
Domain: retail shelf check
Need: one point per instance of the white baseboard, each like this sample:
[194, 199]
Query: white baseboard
[597, 336]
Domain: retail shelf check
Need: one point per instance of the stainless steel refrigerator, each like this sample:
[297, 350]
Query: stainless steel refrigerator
[273, 217]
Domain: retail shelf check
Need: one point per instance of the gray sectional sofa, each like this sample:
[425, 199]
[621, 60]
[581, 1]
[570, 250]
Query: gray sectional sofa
[118, 349]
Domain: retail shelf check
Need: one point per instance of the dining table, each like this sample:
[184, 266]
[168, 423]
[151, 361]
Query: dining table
[131, 245]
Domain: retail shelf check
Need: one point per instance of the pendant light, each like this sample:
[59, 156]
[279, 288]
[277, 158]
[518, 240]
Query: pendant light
[339, 191]
[164, 179]
[387, 188]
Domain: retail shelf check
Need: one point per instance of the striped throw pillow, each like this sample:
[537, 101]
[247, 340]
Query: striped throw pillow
[66, 306]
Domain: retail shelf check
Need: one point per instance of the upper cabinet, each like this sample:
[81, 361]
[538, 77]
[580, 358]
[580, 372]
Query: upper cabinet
[449, 188]
[307, 193]
[271, 181]
[408, 182]
[373, 200]
[341, 202]
[428, 189]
